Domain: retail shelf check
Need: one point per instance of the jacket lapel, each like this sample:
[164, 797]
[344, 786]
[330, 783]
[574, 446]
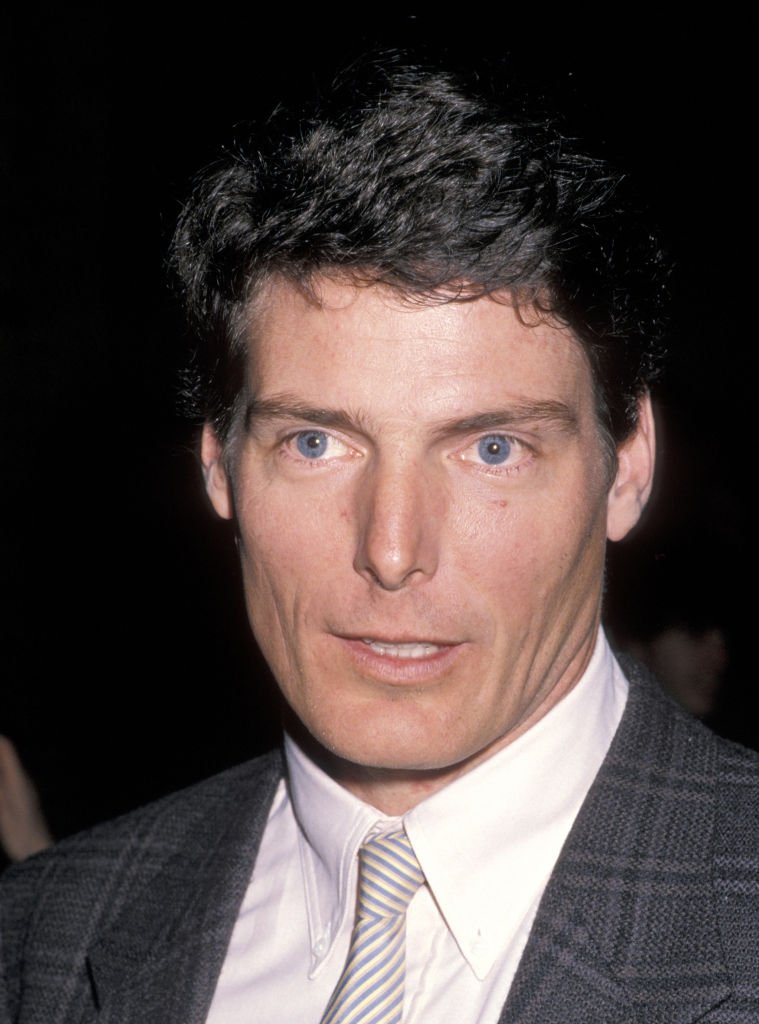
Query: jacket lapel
[627, 928]
[161, 960]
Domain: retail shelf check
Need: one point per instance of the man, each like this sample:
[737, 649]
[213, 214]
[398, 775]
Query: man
[428, 330]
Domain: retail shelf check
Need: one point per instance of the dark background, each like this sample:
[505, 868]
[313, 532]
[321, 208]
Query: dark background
[126, 664]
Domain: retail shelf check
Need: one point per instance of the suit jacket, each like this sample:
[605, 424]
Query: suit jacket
[651, 915]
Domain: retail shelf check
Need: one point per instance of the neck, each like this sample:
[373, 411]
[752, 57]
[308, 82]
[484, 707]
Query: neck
[392, 791]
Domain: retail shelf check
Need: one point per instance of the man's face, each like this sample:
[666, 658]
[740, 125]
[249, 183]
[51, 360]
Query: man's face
[422, 500]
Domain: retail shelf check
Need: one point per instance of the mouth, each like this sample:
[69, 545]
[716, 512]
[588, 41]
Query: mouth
[404, 661]
[416, 649]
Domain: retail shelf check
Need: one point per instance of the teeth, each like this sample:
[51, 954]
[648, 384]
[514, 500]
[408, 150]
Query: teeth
[415, 650]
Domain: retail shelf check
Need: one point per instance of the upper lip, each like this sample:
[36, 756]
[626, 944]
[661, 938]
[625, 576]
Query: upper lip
[404, 638]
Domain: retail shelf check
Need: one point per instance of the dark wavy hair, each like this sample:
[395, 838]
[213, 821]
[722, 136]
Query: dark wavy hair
[443, 186]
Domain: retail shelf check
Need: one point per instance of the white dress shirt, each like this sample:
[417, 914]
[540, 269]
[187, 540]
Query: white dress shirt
[487, 844]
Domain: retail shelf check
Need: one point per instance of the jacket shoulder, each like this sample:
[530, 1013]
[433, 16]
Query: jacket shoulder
[723, 779]
[59, 899]
[732, 768]
[736, 865]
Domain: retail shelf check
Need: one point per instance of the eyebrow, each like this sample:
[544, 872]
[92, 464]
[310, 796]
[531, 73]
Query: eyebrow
[549, 412]
[552, 413]
[287, 407]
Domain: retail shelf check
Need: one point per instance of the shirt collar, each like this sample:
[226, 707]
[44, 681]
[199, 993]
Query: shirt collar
[333, 824]
[487, 843]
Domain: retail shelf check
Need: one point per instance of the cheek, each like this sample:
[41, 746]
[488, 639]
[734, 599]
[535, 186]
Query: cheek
[268, 555]
[527, 552]
[278, 534]
[288, 558]
[492, 537]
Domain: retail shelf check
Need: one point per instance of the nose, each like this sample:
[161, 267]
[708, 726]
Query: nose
[400, 514]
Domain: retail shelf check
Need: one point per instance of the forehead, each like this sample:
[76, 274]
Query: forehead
[371, 347]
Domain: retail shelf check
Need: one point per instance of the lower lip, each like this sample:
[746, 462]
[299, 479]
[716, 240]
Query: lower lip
[399, 671]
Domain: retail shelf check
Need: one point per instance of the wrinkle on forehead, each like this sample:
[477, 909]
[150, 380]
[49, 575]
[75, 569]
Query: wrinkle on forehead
[532, 308]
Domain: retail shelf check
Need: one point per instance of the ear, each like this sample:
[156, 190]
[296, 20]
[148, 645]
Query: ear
[635, 474]
[218, 485]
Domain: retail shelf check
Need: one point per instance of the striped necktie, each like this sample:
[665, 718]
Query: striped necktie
[370, 989]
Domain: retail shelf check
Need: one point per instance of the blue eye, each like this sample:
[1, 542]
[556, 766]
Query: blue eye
[494, 449]
[312, 444]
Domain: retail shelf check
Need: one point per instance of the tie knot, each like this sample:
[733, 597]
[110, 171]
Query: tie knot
[389, 875]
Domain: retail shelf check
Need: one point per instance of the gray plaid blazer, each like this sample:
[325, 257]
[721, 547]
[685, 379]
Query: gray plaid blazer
[651, 915]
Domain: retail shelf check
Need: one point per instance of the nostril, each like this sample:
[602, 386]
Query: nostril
[391, 584]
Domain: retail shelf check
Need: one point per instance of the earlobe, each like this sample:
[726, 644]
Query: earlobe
[215, 473]
[635, 474]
